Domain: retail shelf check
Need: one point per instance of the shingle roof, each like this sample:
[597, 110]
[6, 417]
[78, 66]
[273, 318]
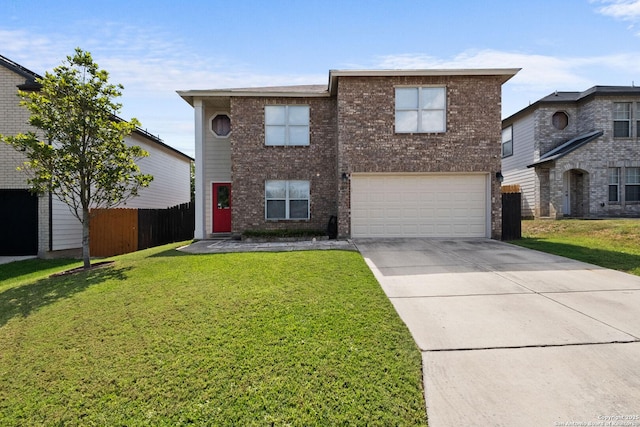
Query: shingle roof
[329, 90]
[568, 147]
[30, 83]
[568, 97]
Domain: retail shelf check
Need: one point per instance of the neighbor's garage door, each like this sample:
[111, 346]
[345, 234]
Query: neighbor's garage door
[418, 205]
[18, 223]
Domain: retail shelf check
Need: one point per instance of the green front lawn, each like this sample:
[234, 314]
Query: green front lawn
[163, 338]
[610, 243]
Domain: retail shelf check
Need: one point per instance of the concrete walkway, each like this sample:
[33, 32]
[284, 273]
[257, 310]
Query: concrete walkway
[514, 337]
[225, 246]
[8, 259]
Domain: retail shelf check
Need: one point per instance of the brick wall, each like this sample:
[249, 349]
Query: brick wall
[588, 191]
[367, 141]
[13, 120]
[253, 163]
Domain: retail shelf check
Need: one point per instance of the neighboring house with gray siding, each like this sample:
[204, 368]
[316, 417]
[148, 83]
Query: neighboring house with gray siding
[576, 154]
[42, 224]
[387, 152]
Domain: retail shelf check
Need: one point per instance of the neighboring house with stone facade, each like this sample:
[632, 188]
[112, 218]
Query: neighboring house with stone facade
[576, 154]
[387, 152]
[41, 224]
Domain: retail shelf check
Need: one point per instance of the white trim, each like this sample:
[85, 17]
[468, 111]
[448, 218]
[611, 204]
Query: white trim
[200, 231]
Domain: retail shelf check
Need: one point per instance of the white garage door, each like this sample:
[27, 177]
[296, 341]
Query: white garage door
[434, 205]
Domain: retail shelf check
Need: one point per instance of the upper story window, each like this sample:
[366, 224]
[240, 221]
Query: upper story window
[421, 109]
[221, 125]
[621, 119]
[560, 120]
[507, 141]
[286, 124]
[286, 199]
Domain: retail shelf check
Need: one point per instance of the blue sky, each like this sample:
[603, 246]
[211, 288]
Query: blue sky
[157, 47]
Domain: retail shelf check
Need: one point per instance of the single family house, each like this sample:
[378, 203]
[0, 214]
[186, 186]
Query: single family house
[41, 224]
[576, 154]
[387, 153]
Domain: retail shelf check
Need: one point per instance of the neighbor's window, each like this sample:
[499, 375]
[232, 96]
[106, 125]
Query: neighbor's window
[286, 199]
[421, 109]
[638, 120]
[621, 119]
[614, 185]
[560, 120]
[286, 124]
[507, 141]
[632, 185]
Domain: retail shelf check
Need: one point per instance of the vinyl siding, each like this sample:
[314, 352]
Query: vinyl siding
[217, 154]
[514, 168]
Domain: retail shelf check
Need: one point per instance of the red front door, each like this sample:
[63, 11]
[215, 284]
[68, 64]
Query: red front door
[221, 207]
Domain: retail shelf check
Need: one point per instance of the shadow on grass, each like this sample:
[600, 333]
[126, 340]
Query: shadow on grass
[170, 253]
[24, 300]
[604, 258]
[22, 268]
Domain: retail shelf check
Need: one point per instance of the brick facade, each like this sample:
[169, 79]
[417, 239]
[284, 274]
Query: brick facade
[352, 131]
[253, 163]
[367, 141]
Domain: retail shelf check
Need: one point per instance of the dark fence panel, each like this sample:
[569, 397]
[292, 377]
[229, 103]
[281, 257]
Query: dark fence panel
[160, 226]
[511, 216]
[18, 222]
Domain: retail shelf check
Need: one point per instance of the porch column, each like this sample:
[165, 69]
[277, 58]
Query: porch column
[201, 231]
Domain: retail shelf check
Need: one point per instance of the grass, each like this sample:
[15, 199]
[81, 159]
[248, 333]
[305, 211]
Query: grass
[610, 243]
[161, 338]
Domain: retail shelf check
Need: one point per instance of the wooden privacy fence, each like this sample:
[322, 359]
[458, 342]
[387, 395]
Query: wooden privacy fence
[511, 212]
[120, 231]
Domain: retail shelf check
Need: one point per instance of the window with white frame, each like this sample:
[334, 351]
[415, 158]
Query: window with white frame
[286, 124]
[286, 199]
[632, 185]
[421, 109]
[614, 185]
[507, 141]
[621, 119]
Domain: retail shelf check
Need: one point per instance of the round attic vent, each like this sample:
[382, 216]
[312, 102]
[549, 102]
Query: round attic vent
[560, 120]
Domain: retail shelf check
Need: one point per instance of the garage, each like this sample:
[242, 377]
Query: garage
[419, 205]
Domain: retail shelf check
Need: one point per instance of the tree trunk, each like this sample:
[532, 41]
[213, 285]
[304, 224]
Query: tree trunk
[86, 256]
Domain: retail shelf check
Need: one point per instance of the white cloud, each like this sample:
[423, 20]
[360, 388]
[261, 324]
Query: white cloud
[628, 10]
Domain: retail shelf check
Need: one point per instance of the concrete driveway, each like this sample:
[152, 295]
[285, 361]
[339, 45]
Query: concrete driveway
[515, 337]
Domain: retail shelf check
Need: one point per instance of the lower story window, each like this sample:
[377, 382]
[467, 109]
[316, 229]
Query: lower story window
[614, 185]
[286, 199]
[632, 185]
